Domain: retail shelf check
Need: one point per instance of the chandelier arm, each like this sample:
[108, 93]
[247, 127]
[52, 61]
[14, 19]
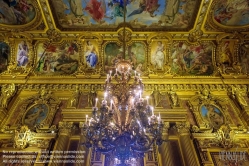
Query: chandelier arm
[104, 150]
[143, 149]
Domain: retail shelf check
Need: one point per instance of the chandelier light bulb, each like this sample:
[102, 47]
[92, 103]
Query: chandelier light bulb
[96, 101]
[147, 99]
[86, 118]
[111, 104]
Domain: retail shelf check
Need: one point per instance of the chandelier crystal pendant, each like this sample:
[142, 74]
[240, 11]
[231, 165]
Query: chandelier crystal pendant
[125, 125]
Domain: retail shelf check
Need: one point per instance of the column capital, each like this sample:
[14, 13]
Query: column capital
[65, 128]
[182, 127]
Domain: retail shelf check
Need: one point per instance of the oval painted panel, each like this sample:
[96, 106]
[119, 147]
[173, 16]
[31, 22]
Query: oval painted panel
[4, 56]
[16, 12]
[232, 13]
[35, 115]
[212, 115]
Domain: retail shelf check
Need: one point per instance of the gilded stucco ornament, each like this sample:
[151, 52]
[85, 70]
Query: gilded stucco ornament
[6, 93]
[54, 35]
[182, 127]
[74, 99]
[22, 137]
[237, 95]
[225, 136]
[6, 129]
[65, 128]
[174, 98]
[195, 36]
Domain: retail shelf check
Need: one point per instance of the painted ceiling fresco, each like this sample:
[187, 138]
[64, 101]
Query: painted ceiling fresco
[109, 14]
[231, 12]
[16, 12]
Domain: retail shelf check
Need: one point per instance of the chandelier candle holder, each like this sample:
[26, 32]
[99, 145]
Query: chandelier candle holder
[125, 125]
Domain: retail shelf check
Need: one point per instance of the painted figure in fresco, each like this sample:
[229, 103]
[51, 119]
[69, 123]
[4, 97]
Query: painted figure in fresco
[22, 53]
[139, 69]
[10, 2]
[172, 9]
[76, 7]
[91, 54]
[4, 56]
[96, 10]
[149, 6]
[226, 55]
[58, 59]
[244, 58]
[158, 56]
[35, 116]
[216, 118]
[232, 12]
[178, 57]
[117, 8]
[16, 12]
[133, 58]
[192, 59]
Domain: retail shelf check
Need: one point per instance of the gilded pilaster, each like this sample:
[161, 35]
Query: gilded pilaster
[186, 144]
[166, 154]
[65, 129]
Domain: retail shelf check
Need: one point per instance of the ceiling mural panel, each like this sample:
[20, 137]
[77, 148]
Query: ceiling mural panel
[13, 12]
[135, 53]
[109, 14]
[57, 59]
[231, 13]
[189, 59]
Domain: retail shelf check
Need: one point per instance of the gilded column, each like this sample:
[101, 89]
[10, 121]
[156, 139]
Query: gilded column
[165, 150]
[62, 141]
[189, 154]
[82, 148]
[166, 154]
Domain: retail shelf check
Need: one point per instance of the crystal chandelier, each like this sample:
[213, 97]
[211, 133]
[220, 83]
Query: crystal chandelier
[125, 125]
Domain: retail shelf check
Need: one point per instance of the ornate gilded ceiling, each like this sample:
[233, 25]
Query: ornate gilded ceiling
[163, 38]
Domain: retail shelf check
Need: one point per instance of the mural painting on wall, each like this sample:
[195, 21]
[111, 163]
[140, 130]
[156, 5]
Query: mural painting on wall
[212, 115]
[4, 56]
[22, 53]
[135, 53]
[158, 54]
[192, 59]
[232, 12]
[57, 59]
[91, 54]
[244, 57]
[16, 12]
[103, 13]
[226, 56]
[35, 115]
